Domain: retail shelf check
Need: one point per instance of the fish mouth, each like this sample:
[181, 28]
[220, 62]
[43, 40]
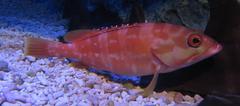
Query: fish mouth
[214, 50]
[210, 52]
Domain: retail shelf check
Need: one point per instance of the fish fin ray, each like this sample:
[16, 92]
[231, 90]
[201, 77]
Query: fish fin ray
[37, 47]
[159, 65]
[149, 89]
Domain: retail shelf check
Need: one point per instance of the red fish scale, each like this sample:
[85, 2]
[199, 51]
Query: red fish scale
[120, 50]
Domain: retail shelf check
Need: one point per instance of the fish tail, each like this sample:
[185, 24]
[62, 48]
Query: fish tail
[40, 47]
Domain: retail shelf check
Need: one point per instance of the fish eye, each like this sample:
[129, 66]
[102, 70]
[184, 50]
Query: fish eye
[194, 40]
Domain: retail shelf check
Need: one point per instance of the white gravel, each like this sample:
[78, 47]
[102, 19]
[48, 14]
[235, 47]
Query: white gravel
[51, 81]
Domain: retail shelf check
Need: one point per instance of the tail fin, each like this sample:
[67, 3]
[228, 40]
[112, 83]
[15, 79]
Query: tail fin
[38, 47]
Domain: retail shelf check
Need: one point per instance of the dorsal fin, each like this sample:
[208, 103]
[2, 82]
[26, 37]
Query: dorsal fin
[76, 34]
[86, 33]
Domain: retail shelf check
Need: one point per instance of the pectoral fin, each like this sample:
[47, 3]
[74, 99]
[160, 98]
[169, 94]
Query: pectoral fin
[158, 67]
[149, 89]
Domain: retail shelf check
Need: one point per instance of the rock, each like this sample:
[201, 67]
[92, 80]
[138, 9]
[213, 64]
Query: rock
[80, 82]
[4, 66]
[10, 104]
[6, 86]
[14, 96]
[31, 58]
[105, 103]
[42, 79]
[111, 103]
[124, 94]
[62, 101]
[2, 98]
[134, 103]
[132, 98]
[18, 80]
[136, 91]
[188, 99]
[178, 98]
[32, 73]
[58, 94]
[198, 98]
[2, 74]
[190, 13]
[85, 103]
[51, 64]
[139, 98]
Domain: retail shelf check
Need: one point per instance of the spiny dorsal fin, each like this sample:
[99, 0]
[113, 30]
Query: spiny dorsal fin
[86, 33]
[73, 35]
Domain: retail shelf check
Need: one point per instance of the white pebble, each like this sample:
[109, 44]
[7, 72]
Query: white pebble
[4, 66]
[139, 98]
[31, 58]
[135, 91]
[6, 86]
[10, 104]
[80, 82]
[13, 96]
[58, 94]
[42, 80]
[84, 103]
[62, 101]
[2, 98]
[134, 103]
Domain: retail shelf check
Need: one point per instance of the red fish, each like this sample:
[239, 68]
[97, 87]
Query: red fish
[139, 49]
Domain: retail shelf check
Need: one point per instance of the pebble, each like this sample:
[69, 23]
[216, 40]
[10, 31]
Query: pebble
[31, 58]
[4, 66]
[62, 101]
[85, 103]
[18, 80]
[188, 99]
[10, 104]
[42, 80]
[134, 103]
[197, 98]
[178, 98]
[13, 96]
[80, 82]
[32, 73]
[135, 91]
[2, 74]
[139, 98]
[58, 94]
[2, 98]
[6, 86]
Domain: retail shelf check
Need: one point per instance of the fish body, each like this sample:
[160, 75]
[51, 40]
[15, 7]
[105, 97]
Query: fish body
[139, 49]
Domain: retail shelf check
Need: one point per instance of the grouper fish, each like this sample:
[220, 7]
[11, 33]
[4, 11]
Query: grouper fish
[134, 50]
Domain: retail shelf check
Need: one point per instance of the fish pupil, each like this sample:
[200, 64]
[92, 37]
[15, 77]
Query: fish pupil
[196, 40]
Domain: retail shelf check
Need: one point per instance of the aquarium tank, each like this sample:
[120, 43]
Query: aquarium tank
[119, 52]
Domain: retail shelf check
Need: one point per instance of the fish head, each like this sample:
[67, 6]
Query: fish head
[186, 49]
